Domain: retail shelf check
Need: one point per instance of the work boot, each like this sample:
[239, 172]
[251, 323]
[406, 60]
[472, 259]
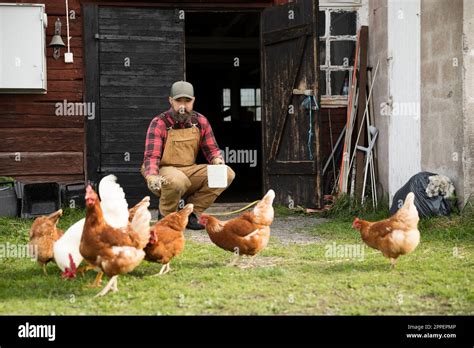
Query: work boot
[193, 223]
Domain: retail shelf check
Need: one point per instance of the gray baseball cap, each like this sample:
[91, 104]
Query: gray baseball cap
[182, 89]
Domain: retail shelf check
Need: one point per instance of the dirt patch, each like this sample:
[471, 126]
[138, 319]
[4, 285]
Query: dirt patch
[288, 230]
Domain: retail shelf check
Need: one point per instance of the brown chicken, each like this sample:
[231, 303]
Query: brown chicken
[114, 250]
[395, 236]
[133, 210]
[43, 235]
[244, 235]
[167, 238]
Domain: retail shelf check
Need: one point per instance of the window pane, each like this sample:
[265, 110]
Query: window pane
[247, 97]
[340, 82]
[342, 53]
[226, 97]
[258, 115]
[227, 118]
[322, 82]
[258, 97]
[343, 23]
[322, 23]
[322, 52]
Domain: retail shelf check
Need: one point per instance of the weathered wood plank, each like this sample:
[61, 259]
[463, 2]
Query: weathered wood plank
[136, 135]
[65, 74]
[60, 179]
[130, 102]
[50, 163]
[133, 26]
[140, 115]
[123, 146]
[134, 91]
[151, 58]
[132, 159]
[143, 14]
[163, 70]
[57, 7]
[53, 96]
[138, 80]
[59, 64]
[27, 107]
[65, 86]
[360, 157]
[40, 121]
[173, 45]
[91, 59]
[41, 139]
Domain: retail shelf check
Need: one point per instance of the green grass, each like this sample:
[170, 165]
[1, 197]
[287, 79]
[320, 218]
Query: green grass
[435, 279]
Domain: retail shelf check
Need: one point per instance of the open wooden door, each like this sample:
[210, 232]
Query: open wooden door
[289, 68]
[133, 55]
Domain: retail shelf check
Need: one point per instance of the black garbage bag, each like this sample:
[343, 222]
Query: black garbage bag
[433, 194]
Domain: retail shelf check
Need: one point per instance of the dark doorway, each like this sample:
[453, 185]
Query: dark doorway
[223, 64]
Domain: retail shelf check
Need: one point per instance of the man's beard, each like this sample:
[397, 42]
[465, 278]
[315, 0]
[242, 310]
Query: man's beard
[181, 117]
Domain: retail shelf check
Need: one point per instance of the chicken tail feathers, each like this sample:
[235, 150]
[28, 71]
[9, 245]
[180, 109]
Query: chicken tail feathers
[409, 204]
[141, 223]
[264, 209]
[113, 202]
[409, 200]
[133, 210]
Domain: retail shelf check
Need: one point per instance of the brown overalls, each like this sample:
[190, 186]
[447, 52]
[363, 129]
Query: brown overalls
[185, 179]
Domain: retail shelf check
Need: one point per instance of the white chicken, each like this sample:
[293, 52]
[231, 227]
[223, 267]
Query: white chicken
[115, 210]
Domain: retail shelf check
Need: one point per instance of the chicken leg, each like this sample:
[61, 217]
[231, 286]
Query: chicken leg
[250, 262]
[85, 268]
[393, 262]
[44, 269]
[98, 280]
[111, 285]
[235, 260]
[164, 269]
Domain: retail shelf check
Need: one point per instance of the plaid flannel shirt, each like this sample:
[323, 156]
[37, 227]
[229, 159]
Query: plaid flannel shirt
[156, 139]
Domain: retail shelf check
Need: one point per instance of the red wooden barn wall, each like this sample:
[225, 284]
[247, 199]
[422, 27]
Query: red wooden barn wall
[52, 147]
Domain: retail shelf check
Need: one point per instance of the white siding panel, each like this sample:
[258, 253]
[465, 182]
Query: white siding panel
[404, 91]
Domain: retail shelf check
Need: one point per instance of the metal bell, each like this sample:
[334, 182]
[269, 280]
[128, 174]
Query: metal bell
[57, 42]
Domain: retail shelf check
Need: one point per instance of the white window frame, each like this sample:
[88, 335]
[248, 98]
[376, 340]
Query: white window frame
[327, 99]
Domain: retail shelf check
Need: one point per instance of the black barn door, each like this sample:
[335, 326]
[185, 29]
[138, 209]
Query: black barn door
[289, 74]
[140, 53]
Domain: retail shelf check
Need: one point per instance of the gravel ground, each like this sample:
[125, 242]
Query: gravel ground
[288, 229]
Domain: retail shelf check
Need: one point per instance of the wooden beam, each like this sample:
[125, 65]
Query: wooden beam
[60, 179]
[92, 83]
[360, 156]
[49, 163]
[316, 91]
[42, 139]
[277, 36]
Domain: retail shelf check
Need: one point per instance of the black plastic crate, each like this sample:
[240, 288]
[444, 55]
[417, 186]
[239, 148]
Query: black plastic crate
[39, 198]
[73, 195]
[8, 200]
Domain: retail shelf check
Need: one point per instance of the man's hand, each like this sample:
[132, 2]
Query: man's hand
[154, 182]
[217, 160]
